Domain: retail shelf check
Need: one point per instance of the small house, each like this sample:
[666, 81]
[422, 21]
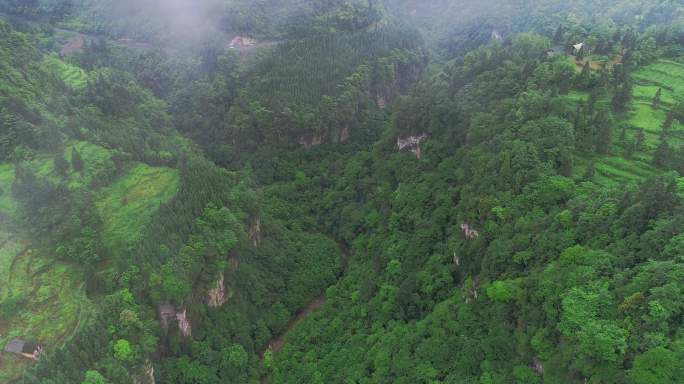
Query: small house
[27, 349]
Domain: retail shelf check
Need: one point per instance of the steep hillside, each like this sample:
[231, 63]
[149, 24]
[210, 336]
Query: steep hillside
[381, 192]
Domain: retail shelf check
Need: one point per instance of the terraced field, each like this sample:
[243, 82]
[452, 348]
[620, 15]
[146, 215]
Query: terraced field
[666, 75]
[72, 76]
[669, 77]
[97, 166]
[43, 299]
[40, 299]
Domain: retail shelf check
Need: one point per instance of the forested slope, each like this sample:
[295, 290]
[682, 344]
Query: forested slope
[101, 197]
[496, 199]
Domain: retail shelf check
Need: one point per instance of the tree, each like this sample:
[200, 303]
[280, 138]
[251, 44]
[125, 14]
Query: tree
[94, 377]
[579, 55]
[640, 138]
[123, 350]
[656, 99]
[656, 366]
[603, 125]
[584, 78]
[61, 165]
[558, 36]
[503, 290]
[268, 358]
[663, 154]
[590, 172]
[622, 96]
[76, 160]
[669, 120]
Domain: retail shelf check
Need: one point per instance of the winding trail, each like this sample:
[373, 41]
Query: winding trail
[276, 343]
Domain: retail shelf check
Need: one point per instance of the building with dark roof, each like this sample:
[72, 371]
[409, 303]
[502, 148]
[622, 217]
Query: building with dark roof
[27, 349]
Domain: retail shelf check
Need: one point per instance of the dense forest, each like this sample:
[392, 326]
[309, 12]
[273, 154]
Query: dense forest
[341, 191]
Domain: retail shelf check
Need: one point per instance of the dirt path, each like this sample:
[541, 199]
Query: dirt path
[276, 343]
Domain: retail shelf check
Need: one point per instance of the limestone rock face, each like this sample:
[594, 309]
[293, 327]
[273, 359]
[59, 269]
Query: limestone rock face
[469, 232]
[184, 325]
[308, 141]
[147, 377]
[412, 143]
[538, 366]
[168, 315]
[344, 134]
[241, 42]
[217, 296]
[255, 231]
[381, 102]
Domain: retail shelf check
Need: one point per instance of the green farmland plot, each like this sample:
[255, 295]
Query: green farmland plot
[71, 75]
[643, 114]
[41, 299]
[127, 205]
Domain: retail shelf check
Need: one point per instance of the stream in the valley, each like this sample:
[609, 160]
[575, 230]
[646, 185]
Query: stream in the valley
[276, 343]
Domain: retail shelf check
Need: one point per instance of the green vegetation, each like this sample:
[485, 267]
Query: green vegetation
[8, 205]
[41, 298]
[72, 76]
[394, 191]
[128, 204]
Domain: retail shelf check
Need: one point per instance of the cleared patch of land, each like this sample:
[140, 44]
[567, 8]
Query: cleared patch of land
[643, 115]
[72, 75]
[41, 299]
[127, 205]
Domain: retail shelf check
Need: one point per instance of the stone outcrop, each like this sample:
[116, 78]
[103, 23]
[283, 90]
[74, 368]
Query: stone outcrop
[308, 141]
[217, 296]
[469, 232]
[241, 42]
[255, 231]
[147, 377]
[169, 315]
[184, 323]
[412, 143]
[381, 102]
[327, 136]
[344, 134]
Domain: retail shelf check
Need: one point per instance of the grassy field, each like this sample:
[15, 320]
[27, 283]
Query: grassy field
[40, 299]
[127, 205]
[97, 166]
[669, 77]
[43, 299]
[615, 169]
[72, 76]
